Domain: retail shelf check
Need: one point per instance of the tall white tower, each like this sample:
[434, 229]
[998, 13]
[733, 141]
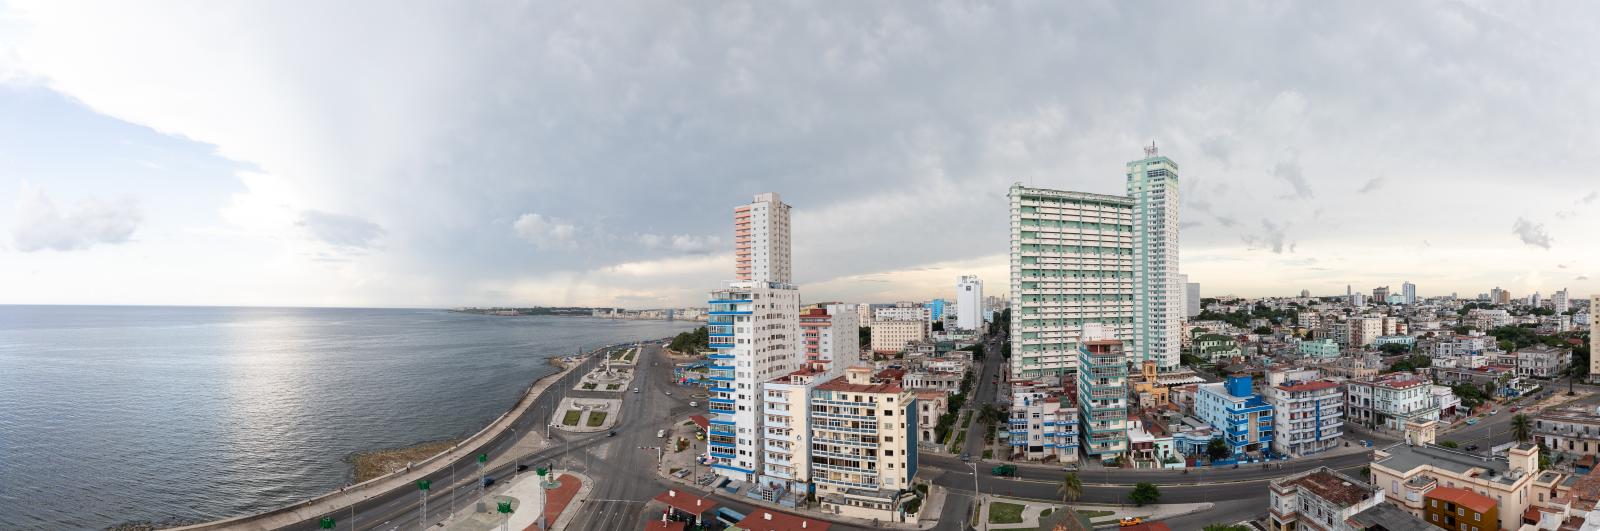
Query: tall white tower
[754, 326]
[1559, 303]
[1409, 291]
[1158, 293]
[969, 303]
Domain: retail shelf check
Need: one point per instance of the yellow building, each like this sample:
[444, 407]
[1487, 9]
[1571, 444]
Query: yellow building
[1408, 471]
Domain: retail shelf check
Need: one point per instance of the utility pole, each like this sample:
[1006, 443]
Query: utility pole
[423, 484]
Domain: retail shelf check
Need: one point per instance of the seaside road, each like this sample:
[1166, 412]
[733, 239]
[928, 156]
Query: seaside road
[401, 507]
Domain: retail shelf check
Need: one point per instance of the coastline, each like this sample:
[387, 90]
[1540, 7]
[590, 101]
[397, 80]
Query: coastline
[418, 469]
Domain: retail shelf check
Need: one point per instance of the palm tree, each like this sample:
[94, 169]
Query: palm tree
[1071, 487]
[1521, 428]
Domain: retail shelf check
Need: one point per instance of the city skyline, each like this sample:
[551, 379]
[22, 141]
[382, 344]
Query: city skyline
[147, 159]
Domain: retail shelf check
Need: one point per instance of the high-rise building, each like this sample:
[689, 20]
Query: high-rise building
[969, 303]
[936, 309]
[1071, 264]
[761, 245]
[830, 335]
[1380, 295]
[1594, 334]
[754, 328]
[1102, 393]
[1157, 313]
[1409, 290]
[1499, 296]
[1558, 301]
[1191, 298]
[1305, 294]
[890, 336]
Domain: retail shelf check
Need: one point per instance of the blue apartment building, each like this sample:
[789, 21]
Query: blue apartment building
[1243, 418]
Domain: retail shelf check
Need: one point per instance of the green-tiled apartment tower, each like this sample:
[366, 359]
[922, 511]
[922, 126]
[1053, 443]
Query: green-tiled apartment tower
[1158, 292]
[1071, 264]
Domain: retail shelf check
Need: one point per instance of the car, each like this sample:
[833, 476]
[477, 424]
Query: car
[1494, 411]
[1004, 470]
[693, 403]
[966, 456]
[636, 389]
[1472, 447]
[1130, 521]
[669, 393]
[1513, 409]
[611, 434]
[488, 482]
[661, 433]
[1472, 421]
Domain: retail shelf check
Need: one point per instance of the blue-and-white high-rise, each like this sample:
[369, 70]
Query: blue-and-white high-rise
[1158, 291]
[754, 328]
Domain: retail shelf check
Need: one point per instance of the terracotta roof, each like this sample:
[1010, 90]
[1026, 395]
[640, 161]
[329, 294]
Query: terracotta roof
[700, 421]
[662, 525]
[686, 502]
[765, 520]
[1466, 498]
[1308, 386]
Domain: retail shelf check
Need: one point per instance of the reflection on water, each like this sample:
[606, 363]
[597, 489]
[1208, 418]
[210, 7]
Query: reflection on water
[112, 414]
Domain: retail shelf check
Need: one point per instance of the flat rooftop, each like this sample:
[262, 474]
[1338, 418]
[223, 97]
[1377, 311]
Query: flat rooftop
[1404, 458]
[1338, 489]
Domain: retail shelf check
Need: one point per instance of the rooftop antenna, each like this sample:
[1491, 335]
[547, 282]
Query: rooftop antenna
[1150, 151]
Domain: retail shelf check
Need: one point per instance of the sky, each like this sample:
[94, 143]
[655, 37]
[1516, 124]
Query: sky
[440, 154]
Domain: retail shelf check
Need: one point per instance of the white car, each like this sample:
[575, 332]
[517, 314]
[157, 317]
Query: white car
[661, 433]
[693, 403]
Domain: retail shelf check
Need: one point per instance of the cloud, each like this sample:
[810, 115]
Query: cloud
[544, 232]
[1582, 277]
[340, 230]
[1190, 224]
[1272, 237]
[1227, 221]
[1372, 185]
[41, 225]
[1590, 197]
[1531, 233]
[1289, 172]
[682, 243]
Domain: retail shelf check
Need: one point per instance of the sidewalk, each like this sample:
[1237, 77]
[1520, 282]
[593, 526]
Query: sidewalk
[1033, 509]
[927, 517]
[530, 502]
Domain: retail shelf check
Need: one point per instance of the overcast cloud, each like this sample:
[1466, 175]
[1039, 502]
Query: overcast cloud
[584, 153]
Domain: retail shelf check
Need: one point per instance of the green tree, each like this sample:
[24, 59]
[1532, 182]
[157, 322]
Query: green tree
[1218, 449]
[691, 342]
[1449, 444]
[1071, 487]
[1395, 348]
[1263, 330]
[1143, 493]
[1521, 428]
[1226, 527]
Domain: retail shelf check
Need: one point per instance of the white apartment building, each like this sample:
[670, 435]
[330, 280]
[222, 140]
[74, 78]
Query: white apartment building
[1071, 264]
[1364, 330]
[901, 311]
[831, 333]
[1158, 292]
[786, 433]
[863, 444]
[1559, 302]
[1409, 291]
[754, 328]
[1044, 425]
[1322, 499]
[930, 406]
[891, 335]
[969, 303]
[1594, 332]
[1308, 417]
[1541, 361]
[1389, 401]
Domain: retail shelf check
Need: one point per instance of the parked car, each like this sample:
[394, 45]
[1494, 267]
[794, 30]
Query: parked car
[1513, 409]
[611, 434]
[661, 433]
[966, 456]
[1004, 470]
[1130, 521]
[1495, 411]
[693, 403]
[488, 481]
[1472, 447]
[1472, 421]
[636, 389]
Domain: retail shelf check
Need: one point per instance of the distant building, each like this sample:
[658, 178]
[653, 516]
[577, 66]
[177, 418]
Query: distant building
[1157, 316]
[1213, 347]
[1409, 470]
[1559, 302]
[1389, 401]
[890, 336]
[1380, 294]
[1541, 361]
[1320, 348]
[969, 303]
[936, 309]
[831, 335]
[1191, 299]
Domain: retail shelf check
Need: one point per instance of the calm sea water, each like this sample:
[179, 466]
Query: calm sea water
[117, 414]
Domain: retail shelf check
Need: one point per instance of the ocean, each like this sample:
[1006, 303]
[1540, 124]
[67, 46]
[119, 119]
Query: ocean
[112, 414]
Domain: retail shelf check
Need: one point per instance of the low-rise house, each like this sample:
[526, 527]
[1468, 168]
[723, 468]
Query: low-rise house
[1319, 499]
[1149, 444]
[1409, 470]
[1446, 400]
[1213, 347]
[1571, 430]
[1044, 424]
[931, 405]
[932, 381]
[1458, 509]
[1541, 361]
[1389, 401]
[1319, 348]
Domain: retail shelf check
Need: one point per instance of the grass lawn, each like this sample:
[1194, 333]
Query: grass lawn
[1094, 514]
[1005, 513]
[588, 386]
[955, 446]
[988, 454]
[966, 420]
[596, 418]
[571, 418]
[1046, 512]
